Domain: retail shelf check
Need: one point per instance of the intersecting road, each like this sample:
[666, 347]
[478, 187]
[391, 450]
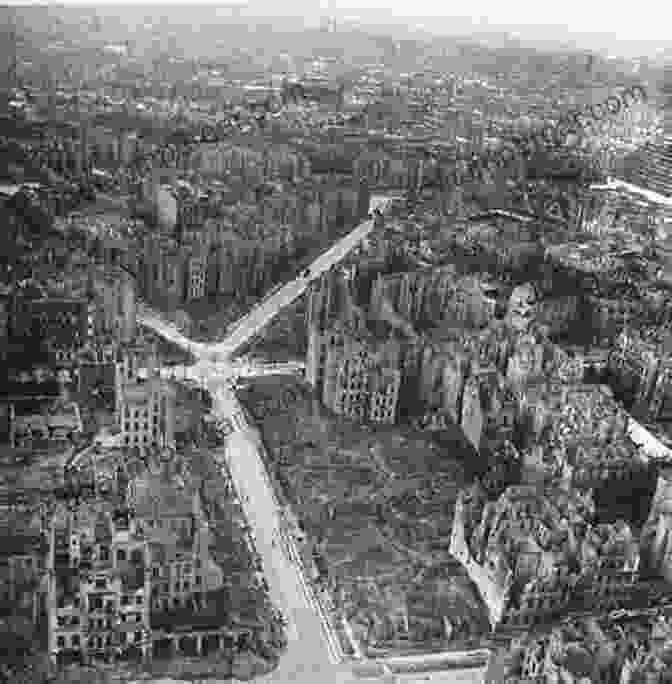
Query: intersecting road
[313, 655]
[250, 324]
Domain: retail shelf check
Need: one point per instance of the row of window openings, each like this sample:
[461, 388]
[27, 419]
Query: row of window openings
[382, 411]
[139, 413]
[96, 642]
[384, 402]
[96, 602]
[136, 425]
[185, 569]
[596, 473]
[138, 440]
[98, 623]
[382, 397]
[64, 355]
[28, 562]
[352, 396]
[164, 588]
[61, 320]
[177, 602]
[122, 556]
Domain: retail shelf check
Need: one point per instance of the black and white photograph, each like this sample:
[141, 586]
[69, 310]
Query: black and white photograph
[335, 343]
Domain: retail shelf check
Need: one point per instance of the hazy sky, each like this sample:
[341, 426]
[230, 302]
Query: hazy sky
[620, 20]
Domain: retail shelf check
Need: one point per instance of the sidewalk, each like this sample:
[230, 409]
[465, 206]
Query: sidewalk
[295, 556]
[317, 653]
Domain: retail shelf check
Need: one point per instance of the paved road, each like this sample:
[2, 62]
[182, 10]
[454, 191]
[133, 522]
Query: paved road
[312, 654]
[250, 325]
[617, 183]
[311, 648]
[169, 331]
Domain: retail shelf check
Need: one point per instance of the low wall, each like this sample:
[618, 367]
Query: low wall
[493, 590]
[653, 447]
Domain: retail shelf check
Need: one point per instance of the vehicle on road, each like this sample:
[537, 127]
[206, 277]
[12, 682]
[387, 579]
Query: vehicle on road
[305, 273]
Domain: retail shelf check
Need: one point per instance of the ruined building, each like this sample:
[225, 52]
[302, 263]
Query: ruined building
[444, 371]
[577, 434]
[99, 584]
[178, 536]
[535, 555]
[639, 369]
[582, 650]
[357, 383]
[658, 529]
[428, 297]
[660, 408]
[114, 299]
[354, 373]
[144, 402]
[487, 411]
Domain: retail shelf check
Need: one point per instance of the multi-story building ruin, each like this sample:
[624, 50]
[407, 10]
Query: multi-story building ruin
[61, 323]
[586, 649]
[114, 297]
[430, 296]
[484, 408]
[99, 584]
[51, 425]
[144, 402]
[538, 554]
[634, 364]
[660, 408]
[183, 571]
[351, 377]
[658, 528]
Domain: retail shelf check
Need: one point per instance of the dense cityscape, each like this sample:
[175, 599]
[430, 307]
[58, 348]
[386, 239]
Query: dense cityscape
[338, 353]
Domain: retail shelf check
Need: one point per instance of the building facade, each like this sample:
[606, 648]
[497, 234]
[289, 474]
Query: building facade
[99, 586]
[538, 554]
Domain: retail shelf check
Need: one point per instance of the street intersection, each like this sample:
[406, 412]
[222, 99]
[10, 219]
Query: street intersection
[314, 655]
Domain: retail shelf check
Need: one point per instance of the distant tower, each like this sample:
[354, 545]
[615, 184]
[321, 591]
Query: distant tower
[328, 18]
[590, 61]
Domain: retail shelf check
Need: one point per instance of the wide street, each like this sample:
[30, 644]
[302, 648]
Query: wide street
[312, 646]
[312, 655]
[618, 184]
[250, 324]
